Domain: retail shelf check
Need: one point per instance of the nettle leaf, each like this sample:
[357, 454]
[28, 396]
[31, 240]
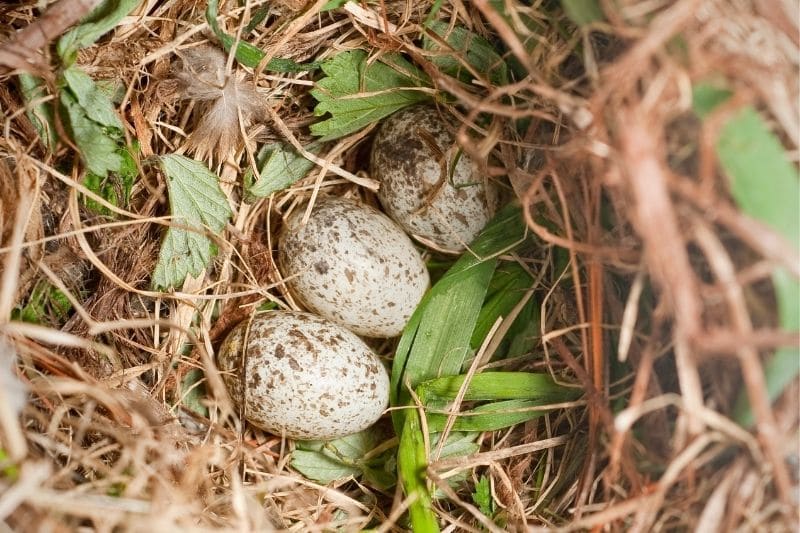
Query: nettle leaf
[92, 122]
[321, 467]
[196, 201]
[115, 188]
[463, 46]
[326, 462]
[282, 167]
[98, 150]
[350, 74]
[103, 19]
[94, 101]
[483, 496]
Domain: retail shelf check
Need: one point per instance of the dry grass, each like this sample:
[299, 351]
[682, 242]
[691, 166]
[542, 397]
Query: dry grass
[664, 274]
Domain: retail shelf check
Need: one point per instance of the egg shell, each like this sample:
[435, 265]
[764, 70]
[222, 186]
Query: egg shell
[353, 265]
[303, 376]
[412, 154]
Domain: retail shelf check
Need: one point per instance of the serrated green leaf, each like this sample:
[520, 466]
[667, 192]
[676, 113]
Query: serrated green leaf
[332, 4]
[351, 448]
[247, 54]
[103, 19]
[46, 305]
[330, 461]
[457, 445]
[97, 149]
[116, 187]
[196, 201]
[463, 45]
[320, 467]
[349, 74]
[482, 496]
[282, 167]
[94, 101]
[40, 114]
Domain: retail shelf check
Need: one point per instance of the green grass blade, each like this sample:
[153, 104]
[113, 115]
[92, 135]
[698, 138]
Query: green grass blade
[436, 342]
[498, 386]
[489, 417]
[412, 460]
[100, 21]
[506, 289]
[247, 54]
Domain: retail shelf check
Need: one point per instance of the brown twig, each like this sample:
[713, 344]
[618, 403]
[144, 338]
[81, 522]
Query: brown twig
[21, 51]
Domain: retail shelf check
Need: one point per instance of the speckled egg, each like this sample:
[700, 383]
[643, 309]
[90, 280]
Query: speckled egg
[427, 184]
[351, 264]
[299, 375]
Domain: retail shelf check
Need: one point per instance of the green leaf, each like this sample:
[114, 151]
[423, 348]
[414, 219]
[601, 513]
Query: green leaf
[764, 182]
[95, 102]
[583, 12]
[507, 288]
[412, 460]
[497, 386]
[482, 496]
[332, 4]
[349, 74]
[103, 19]
[40, 114]
[247, 54]
[518, 393]
[326, 462]
[490, 416]
[766, 186]
[465, 46]
[196, 201]
[457, 445]
[193, 392]
[46, 305]
[282, 167]
[116, 187]
[707, 96]
[321, 467]
[97, 149]
[8, 469]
